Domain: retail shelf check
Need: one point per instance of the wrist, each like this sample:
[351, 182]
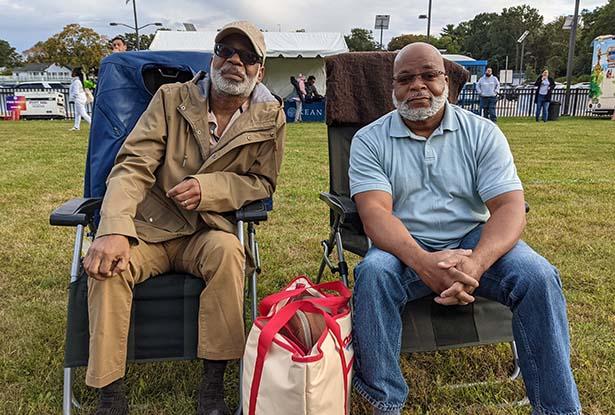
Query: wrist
[481, 263]
[416, 257]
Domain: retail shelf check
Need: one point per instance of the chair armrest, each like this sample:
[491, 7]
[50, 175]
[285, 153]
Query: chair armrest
[254, 212]
[341, 206]
[75, 212]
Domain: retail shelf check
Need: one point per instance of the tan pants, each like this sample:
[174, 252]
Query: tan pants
[215, 256]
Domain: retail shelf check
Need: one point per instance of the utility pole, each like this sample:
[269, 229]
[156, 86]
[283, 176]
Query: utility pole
[428, 20]
[571, 42]
[522, 41]
[522, 53]
[134, 9]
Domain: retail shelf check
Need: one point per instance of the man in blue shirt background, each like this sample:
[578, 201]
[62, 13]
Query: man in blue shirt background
[438, 194]
[488, 88]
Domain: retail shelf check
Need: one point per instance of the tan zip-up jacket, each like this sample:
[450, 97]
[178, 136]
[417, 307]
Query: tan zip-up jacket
[170, 142]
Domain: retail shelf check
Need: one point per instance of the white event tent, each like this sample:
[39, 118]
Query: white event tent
[288, 54]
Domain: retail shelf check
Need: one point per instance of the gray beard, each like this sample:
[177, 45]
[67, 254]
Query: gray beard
[226, 86]
[421, 114]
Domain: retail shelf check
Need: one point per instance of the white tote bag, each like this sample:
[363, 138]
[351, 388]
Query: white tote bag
[298, 357]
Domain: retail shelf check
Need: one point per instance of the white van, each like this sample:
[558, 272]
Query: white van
[43, 105]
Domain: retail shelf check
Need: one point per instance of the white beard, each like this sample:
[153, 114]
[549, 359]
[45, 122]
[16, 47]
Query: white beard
[233, 88]
[421, 114]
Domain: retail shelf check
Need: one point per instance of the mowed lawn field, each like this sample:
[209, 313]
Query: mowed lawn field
[568, 169]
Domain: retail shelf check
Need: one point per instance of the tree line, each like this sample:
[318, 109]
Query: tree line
[489, 36]
[493, 37]
[74, 46]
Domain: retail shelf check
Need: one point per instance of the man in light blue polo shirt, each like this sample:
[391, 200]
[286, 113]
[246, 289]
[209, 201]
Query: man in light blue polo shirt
[488, 88]
[439, 196]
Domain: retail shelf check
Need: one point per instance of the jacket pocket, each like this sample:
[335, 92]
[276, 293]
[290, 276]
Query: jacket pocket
[159, 214]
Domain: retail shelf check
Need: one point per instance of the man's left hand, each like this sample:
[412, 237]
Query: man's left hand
[186, 194]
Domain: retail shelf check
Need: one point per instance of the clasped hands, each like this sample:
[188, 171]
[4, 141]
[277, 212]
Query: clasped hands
[454, 274]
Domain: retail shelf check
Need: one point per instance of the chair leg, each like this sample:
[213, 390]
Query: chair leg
[335, 241]
[239, 410]
[515, 374]
[342, 265]
[257, 267]
[67, 391]
[68, 399]
[251, 292]
[327, 247]
[516, 370]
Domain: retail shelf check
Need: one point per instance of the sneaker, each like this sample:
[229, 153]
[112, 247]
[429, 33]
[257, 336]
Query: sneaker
[211, 391]
[73, 129]
[112, 400]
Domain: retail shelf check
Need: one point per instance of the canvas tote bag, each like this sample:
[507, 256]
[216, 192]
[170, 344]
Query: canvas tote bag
[298, 357]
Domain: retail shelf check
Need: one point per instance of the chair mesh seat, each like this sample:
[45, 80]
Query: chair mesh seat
[164, 320]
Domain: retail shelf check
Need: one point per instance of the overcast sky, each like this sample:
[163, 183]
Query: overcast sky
[23, 23]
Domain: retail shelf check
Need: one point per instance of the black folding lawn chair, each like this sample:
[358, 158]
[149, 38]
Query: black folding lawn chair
[358, 92]
[164, 316]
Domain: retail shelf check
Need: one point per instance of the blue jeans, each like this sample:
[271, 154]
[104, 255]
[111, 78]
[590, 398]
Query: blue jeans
[487, 107]
[542, 104]
[523, 280]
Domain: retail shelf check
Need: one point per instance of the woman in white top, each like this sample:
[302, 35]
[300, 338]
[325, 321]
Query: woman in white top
[77, 95]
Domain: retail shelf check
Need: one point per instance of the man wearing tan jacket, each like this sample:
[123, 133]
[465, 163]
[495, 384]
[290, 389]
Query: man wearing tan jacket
[201, 149]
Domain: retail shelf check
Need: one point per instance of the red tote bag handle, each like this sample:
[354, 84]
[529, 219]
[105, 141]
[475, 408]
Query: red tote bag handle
[270, 301]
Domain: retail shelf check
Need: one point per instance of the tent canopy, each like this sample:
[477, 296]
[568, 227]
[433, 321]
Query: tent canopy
[279, 44]
[288, 54]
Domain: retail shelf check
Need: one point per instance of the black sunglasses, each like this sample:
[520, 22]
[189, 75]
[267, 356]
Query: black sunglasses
[247, 57]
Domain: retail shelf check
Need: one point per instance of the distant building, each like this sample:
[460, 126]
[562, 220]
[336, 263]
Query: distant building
[476, 67]
[41, 72]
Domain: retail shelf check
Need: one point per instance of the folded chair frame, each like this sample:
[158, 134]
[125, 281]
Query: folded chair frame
[80, 213]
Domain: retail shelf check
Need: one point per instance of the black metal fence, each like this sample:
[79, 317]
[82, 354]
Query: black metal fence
[520, 101]
[69, 107]
[512, 102]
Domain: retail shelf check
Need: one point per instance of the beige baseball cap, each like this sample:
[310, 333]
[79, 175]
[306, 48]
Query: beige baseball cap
[243, 27]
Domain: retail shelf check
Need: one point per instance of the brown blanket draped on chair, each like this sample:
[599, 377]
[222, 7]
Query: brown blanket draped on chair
[366, 77]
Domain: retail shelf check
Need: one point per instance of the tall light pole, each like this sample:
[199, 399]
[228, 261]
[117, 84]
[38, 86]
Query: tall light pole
[134, 10]
[521, 41]
[382, 23]
[428, 17]
[135, 28]
[571, 42]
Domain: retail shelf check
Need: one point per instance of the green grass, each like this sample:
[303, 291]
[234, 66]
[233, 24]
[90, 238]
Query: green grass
[568, 168]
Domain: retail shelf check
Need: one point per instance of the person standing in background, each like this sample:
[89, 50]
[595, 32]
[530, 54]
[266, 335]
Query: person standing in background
[298, 95]
[311, 93]
[545, 85]
[488, 88]
[77, 95]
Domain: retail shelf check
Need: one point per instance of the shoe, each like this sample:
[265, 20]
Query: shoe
[112, 400]
[74, 129]
[211, 391]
